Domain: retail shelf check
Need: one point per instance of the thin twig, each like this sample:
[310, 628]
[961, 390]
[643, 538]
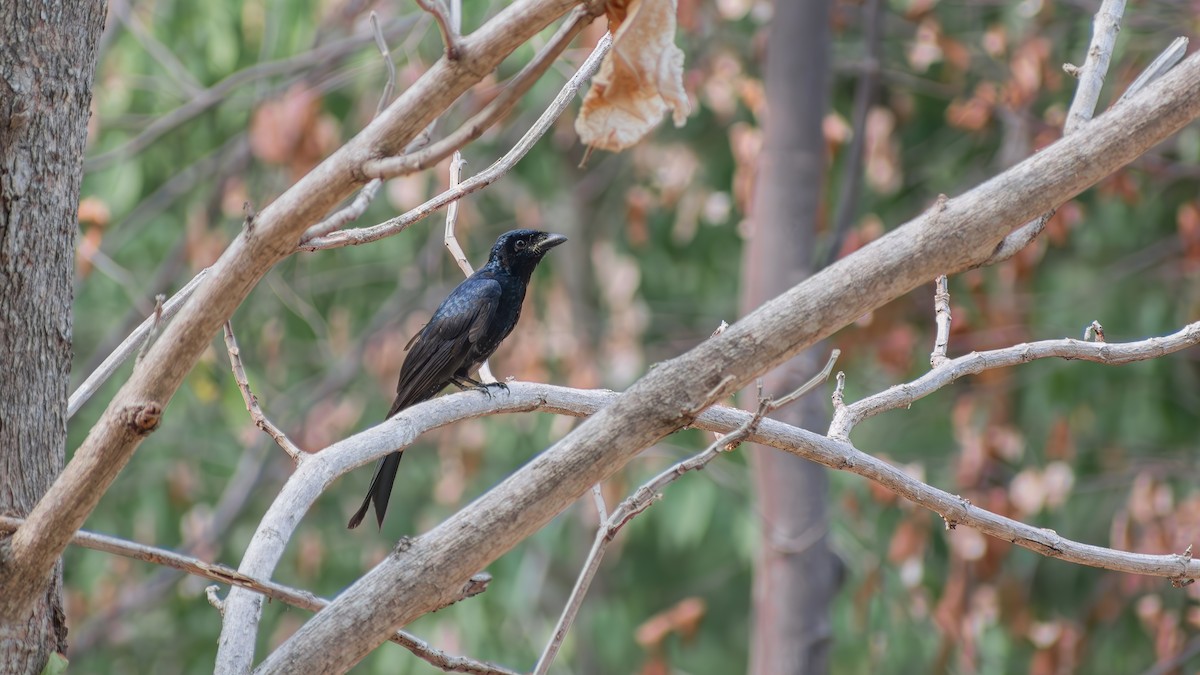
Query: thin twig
[215, 600]
[481, 180]
[456, 251]
[131, 345]
[149, 592]
[598, 497]
[381, 43]
[347, 215]
[516, 87]
[256, 413]
[864, 97]
[1111, 353]
[310, 479]
[1105, 27]
[449, 240]
[941, 316]
[354, 211]
[650, 492]
[220, 91]
[161, 54]
[289, 596]
[154, 326]
[445, 24]
[1165, 61]
[839, 392]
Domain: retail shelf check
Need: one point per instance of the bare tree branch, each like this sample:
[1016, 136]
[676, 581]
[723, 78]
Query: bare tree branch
[481, 180]
[1165, 61]
[180, 75]
[446, 24]
[220, 91]
[941, 311]
[356, 208]
[964, 232]
[252, 407]
[392, 167]
[131, 345]
[285, 594]
[864, 97]
[650, 492]
[1105, 27]
[137, 408]
[316, 474]
[903, 395]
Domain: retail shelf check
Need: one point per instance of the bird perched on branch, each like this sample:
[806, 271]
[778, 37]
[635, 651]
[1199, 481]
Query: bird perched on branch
[464, 331]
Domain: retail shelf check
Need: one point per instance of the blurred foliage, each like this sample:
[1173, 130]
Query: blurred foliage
[1101, 454]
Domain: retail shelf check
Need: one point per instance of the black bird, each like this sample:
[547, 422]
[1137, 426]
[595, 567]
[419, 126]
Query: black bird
[464, 331]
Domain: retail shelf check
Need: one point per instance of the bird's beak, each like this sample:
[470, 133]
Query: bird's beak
[550, 242]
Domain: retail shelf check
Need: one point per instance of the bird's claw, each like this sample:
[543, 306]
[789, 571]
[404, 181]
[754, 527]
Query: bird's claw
[486, 387]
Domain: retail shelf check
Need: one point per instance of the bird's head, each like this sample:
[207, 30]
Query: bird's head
[519, 251]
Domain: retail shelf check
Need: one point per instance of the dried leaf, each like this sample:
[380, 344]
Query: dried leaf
[94, 212]
[684, 618]
[639, 80]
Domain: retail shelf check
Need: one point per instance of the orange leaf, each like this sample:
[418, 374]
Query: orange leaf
[639, 80]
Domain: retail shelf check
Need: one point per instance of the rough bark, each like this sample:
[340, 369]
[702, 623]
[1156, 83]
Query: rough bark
[795, 575]
[47, 58]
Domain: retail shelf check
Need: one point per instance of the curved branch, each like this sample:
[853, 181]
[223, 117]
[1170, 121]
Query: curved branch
[391, 167]
[398, 433]
[387, 228]
[219, 92]
[845, 417]
[962, 232]
[286, 594]
[1105, 27]
[136, 410]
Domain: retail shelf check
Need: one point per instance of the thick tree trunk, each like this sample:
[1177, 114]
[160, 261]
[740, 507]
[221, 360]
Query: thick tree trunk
[796, 574]
[47, 58]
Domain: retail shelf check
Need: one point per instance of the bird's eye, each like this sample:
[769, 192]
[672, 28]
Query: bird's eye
[521, 244]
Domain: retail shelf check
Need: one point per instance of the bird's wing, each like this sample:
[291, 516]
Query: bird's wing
[444, 345]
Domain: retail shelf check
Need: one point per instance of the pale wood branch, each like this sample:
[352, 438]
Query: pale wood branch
[256, 414]
[448, 27]
[481, 180]
[845, 417]
[650, 492]
[285, 594]
[1105, 27]
[398, 433]
[1165, 61]
[220, 91]
[137, 408]
[131, 345]
[941, 315]
[391, 167]
[963, 232]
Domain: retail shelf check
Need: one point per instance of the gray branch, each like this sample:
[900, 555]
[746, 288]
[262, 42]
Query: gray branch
[1105, 27]
[961, 233]
[322, 468]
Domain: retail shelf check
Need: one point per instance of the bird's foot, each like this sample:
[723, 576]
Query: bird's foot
[486, 387]
[465, 383]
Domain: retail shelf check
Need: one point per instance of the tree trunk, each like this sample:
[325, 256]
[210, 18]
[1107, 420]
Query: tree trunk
[796, 574]
[47, 59]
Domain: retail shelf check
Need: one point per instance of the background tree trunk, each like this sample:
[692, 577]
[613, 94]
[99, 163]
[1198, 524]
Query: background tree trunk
[47, 59]
[796, 574]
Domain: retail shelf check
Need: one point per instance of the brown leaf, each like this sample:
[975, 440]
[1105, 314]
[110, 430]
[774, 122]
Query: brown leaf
[639, 80]
[684, 618]
[292, 130]
[94, 212]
